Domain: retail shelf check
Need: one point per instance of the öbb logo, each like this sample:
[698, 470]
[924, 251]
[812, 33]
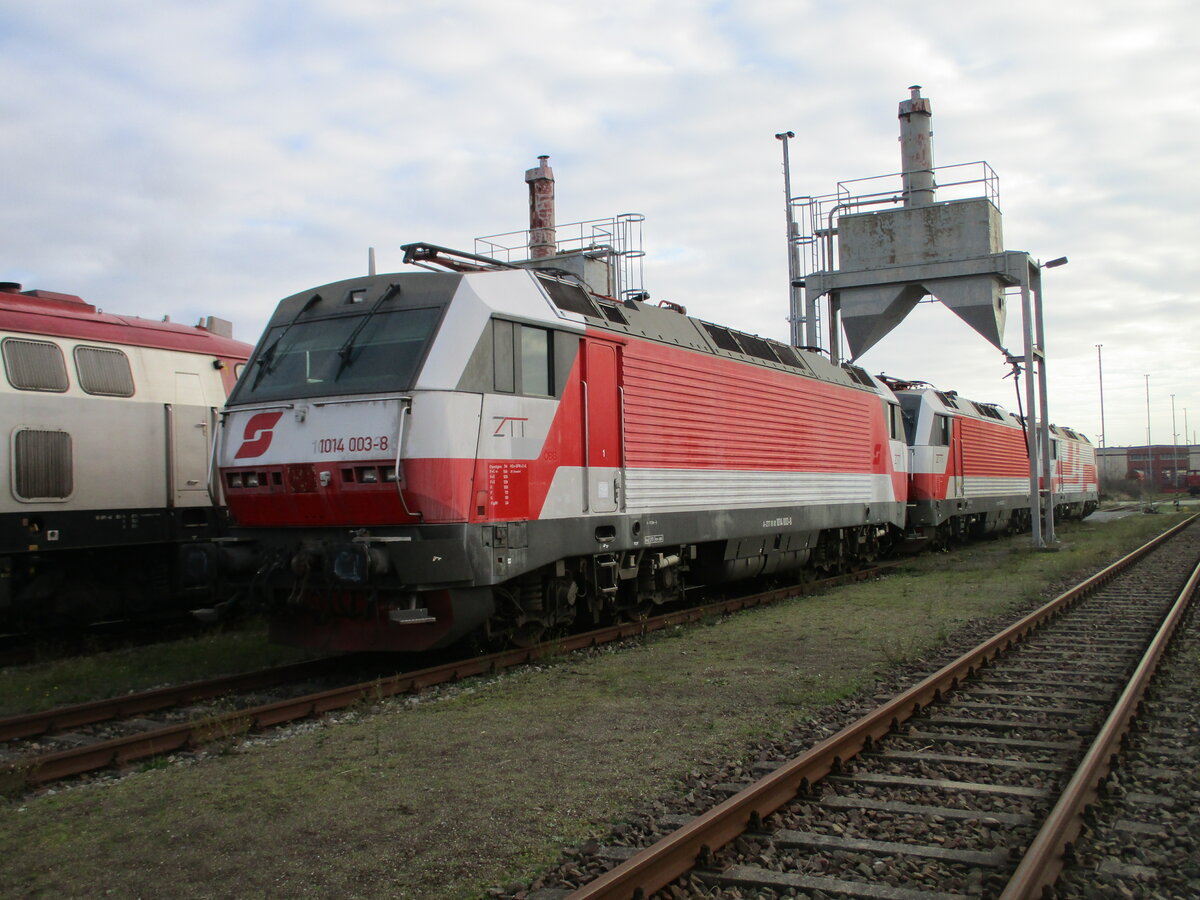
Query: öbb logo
[257, 436]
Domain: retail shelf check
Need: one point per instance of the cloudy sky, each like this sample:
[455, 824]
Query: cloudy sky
[193, 158]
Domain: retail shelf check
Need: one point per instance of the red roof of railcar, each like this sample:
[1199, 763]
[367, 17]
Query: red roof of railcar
[68, 316]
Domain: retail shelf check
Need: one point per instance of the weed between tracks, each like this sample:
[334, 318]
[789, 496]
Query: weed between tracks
[445, 797]
[79, 679]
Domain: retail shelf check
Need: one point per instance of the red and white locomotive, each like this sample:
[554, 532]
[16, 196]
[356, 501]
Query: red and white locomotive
[109, 422]
[969, 467]
[416, 457]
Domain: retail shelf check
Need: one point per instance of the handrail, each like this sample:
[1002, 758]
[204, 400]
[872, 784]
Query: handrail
[587, 480]
[405, 411]
[216, 424]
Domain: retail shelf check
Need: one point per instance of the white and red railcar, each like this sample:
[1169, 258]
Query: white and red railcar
[416, 457]
[969, 467]
[108, 440]
[1076, 481]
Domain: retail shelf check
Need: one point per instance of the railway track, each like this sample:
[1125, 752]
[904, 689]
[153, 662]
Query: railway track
[19, 648]
[971, 783]
[46, 746]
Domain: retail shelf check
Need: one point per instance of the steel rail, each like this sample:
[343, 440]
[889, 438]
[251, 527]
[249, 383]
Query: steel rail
[124, 750]
[62, 718]
[658, 865]
[1052, 847]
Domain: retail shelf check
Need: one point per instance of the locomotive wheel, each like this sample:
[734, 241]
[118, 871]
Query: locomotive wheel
[533, 608]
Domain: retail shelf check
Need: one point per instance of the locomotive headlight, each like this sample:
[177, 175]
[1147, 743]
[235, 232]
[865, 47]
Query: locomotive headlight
[251, 479]
[368, 476]
[389, 474]
[235, 479]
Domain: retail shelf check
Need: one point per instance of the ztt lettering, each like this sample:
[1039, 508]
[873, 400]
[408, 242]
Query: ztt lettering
[509, 426]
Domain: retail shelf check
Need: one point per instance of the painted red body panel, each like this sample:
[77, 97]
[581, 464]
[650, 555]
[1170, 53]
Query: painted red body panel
[1076, 467]
[978, 449]
[992, 450]
[603, 443]
[732, 416]
[682, 410]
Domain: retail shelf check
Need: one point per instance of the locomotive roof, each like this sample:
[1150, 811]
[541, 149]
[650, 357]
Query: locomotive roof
[668, 322]
[53, 314]
[957, 405]
[573, 306]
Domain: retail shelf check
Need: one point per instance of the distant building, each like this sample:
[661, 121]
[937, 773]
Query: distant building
[1162, 467]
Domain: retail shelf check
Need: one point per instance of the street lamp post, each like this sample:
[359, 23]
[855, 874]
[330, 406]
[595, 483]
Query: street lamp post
[1174, 448]
[1149, 445]
[795, 316]
[1100, 368]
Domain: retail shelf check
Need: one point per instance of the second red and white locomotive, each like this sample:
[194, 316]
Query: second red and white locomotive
[969, 467]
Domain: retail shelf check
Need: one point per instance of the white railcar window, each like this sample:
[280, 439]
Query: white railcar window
[104, 372]
[42, 465]
[503, 361]
[34, 365]
[895, 422]
[941, 431]
[536, 361]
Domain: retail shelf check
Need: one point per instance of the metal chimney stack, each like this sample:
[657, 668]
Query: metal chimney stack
[541, 210]
[916, 149]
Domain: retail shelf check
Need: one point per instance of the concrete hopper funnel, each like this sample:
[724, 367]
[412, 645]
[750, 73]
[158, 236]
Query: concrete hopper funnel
[977, 300]
[869, 313]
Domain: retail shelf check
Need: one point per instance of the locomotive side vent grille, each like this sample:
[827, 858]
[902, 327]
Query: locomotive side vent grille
[787, 355]
[569, 297]
[722, 337]
[104, 372]
[34, 365]
[859, 375]
[947, 399]
[42, 465]
[613, 314]
[756, 346]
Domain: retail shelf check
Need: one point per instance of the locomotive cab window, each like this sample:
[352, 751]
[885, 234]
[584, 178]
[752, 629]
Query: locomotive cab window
[504, 363]
[941, 431]
[896, 422]
[366, 353]
[537, 361]
[103, 372]
[522, 359]
[34, 365]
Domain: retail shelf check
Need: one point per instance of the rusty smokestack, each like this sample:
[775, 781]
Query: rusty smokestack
[541, 210]
[916, 149]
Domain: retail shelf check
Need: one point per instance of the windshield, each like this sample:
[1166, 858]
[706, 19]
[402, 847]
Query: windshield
[347, 355]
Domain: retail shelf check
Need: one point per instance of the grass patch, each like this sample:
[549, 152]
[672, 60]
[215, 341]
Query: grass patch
[60, 682]
[484, 787]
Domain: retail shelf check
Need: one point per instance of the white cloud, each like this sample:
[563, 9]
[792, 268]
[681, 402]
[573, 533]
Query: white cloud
[186, 159]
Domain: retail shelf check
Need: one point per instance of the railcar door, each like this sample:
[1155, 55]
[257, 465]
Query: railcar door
[189, 441]
[602, 426]
[958, 481]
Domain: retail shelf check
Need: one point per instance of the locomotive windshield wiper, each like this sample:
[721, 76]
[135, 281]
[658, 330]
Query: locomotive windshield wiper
[347, 347]
[267, 357]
